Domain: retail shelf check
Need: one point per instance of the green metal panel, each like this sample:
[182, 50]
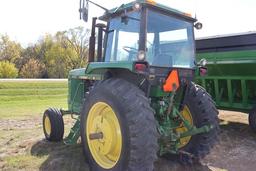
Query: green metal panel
[102, 67]
[93, 71]
[231, 92]
[76, 88]
[231, 78]
[231, 63]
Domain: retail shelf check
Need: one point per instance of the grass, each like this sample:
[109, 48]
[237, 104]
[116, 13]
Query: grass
[22, 143]
[30, 98]
[21, 161]
[22, 104]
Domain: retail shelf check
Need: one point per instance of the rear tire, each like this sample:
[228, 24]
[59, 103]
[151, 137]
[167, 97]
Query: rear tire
[203, 112]
[136, 123]
[252, 119]
[53, 125]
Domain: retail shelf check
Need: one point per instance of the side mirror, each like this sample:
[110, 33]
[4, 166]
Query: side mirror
[83, 10]
[202, 62]
[202, 67]
[85, 15]
[198, 26]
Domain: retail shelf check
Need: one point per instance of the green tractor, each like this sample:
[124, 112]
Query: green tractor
[135, 99]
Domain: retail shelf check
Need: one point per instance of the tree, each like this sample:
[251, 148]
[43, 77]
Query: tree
[53, 56]
[8, 70]
[55, 61]
[9, 50]
[33, 69]
[64, 51]
[78, 39]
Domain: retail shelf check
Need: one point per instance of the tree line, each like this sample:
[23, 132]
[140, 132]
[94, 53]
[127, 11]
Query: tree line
[52, 56]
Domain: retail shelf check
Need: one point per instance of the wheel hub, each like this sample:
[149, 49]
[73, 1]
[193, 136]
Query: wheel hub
[104, 135]
[47, 125]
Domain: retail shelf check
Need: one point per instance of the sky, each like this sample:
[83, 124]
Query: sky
[27, 20]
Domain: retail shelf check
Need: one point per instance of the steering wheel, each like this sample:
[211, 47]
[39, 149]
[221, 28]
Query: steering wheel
[130, 49]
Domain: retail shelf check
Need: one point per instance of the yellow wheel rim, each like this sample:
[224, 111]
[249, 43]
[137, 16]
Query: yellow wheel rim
[47, 125]
[106, 149]
[187, 115]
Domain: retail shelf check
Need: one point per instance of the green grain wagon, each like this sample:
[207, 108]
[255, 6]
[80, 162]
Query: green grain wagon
[231, 76]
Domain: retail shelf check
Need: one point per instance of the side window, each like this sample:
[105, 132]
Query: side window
[127, 46]
[123, 39]
[174, 35]
[170, 41]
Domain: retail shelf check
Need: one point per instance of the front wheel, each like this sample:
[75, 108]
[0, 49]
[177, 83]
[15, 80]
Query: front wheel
[118, 128]
[53, 125]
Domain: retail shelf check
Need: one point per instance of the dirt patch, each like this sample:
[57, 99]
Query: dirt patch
[235, 150]
[22, 147]
[12, 124]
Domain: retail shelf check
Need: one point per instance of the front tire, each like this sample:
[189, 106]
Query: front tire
[121, 126]
[53, 125]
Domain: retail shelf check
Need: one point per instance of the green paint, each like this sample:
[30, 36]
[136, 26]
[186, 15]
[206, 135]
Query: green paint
[76, 95]
[93, 71]
[74, 133]
[169, 122]
[157, 91]
[102, 67]
[231, 78]
[232, 63]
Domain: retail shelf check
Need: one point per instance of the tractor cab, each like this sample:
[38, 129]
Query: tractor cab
[143, 37]
[146, 31]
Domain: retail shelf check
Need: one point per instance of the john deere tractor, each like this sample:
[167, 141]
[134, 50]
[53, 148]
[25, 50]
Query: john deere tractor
[136, 100]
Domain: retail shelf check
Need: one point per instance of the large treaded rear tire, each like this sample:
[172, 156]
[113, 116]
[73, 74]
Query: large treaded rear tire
[137, 123]
[204, 112]
[56, 123]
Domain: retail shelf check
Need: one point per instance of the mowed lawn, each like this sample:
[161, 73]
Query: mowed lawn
[20, 99]
[22, 143]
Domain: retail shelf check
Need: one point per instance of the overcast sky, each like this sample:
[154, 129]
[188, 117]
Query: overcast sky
[26, 20]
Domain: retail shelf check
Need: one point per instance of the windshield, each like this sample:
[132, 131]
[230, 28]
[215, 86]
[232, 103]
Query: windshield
[170, 41]
[123, 38]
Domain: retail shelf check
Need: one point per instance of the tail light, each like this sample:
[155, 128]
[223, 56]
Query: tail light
[140, 67]
[203, 71]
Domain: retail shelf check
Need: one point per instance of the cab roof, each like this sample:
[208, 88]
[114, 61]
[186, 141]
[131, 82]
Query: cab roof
[146, 3]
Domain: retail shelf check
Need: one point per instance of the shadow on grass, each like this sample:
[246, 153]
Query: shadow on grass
[60, 156]
[70, 158]
[67, 158]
